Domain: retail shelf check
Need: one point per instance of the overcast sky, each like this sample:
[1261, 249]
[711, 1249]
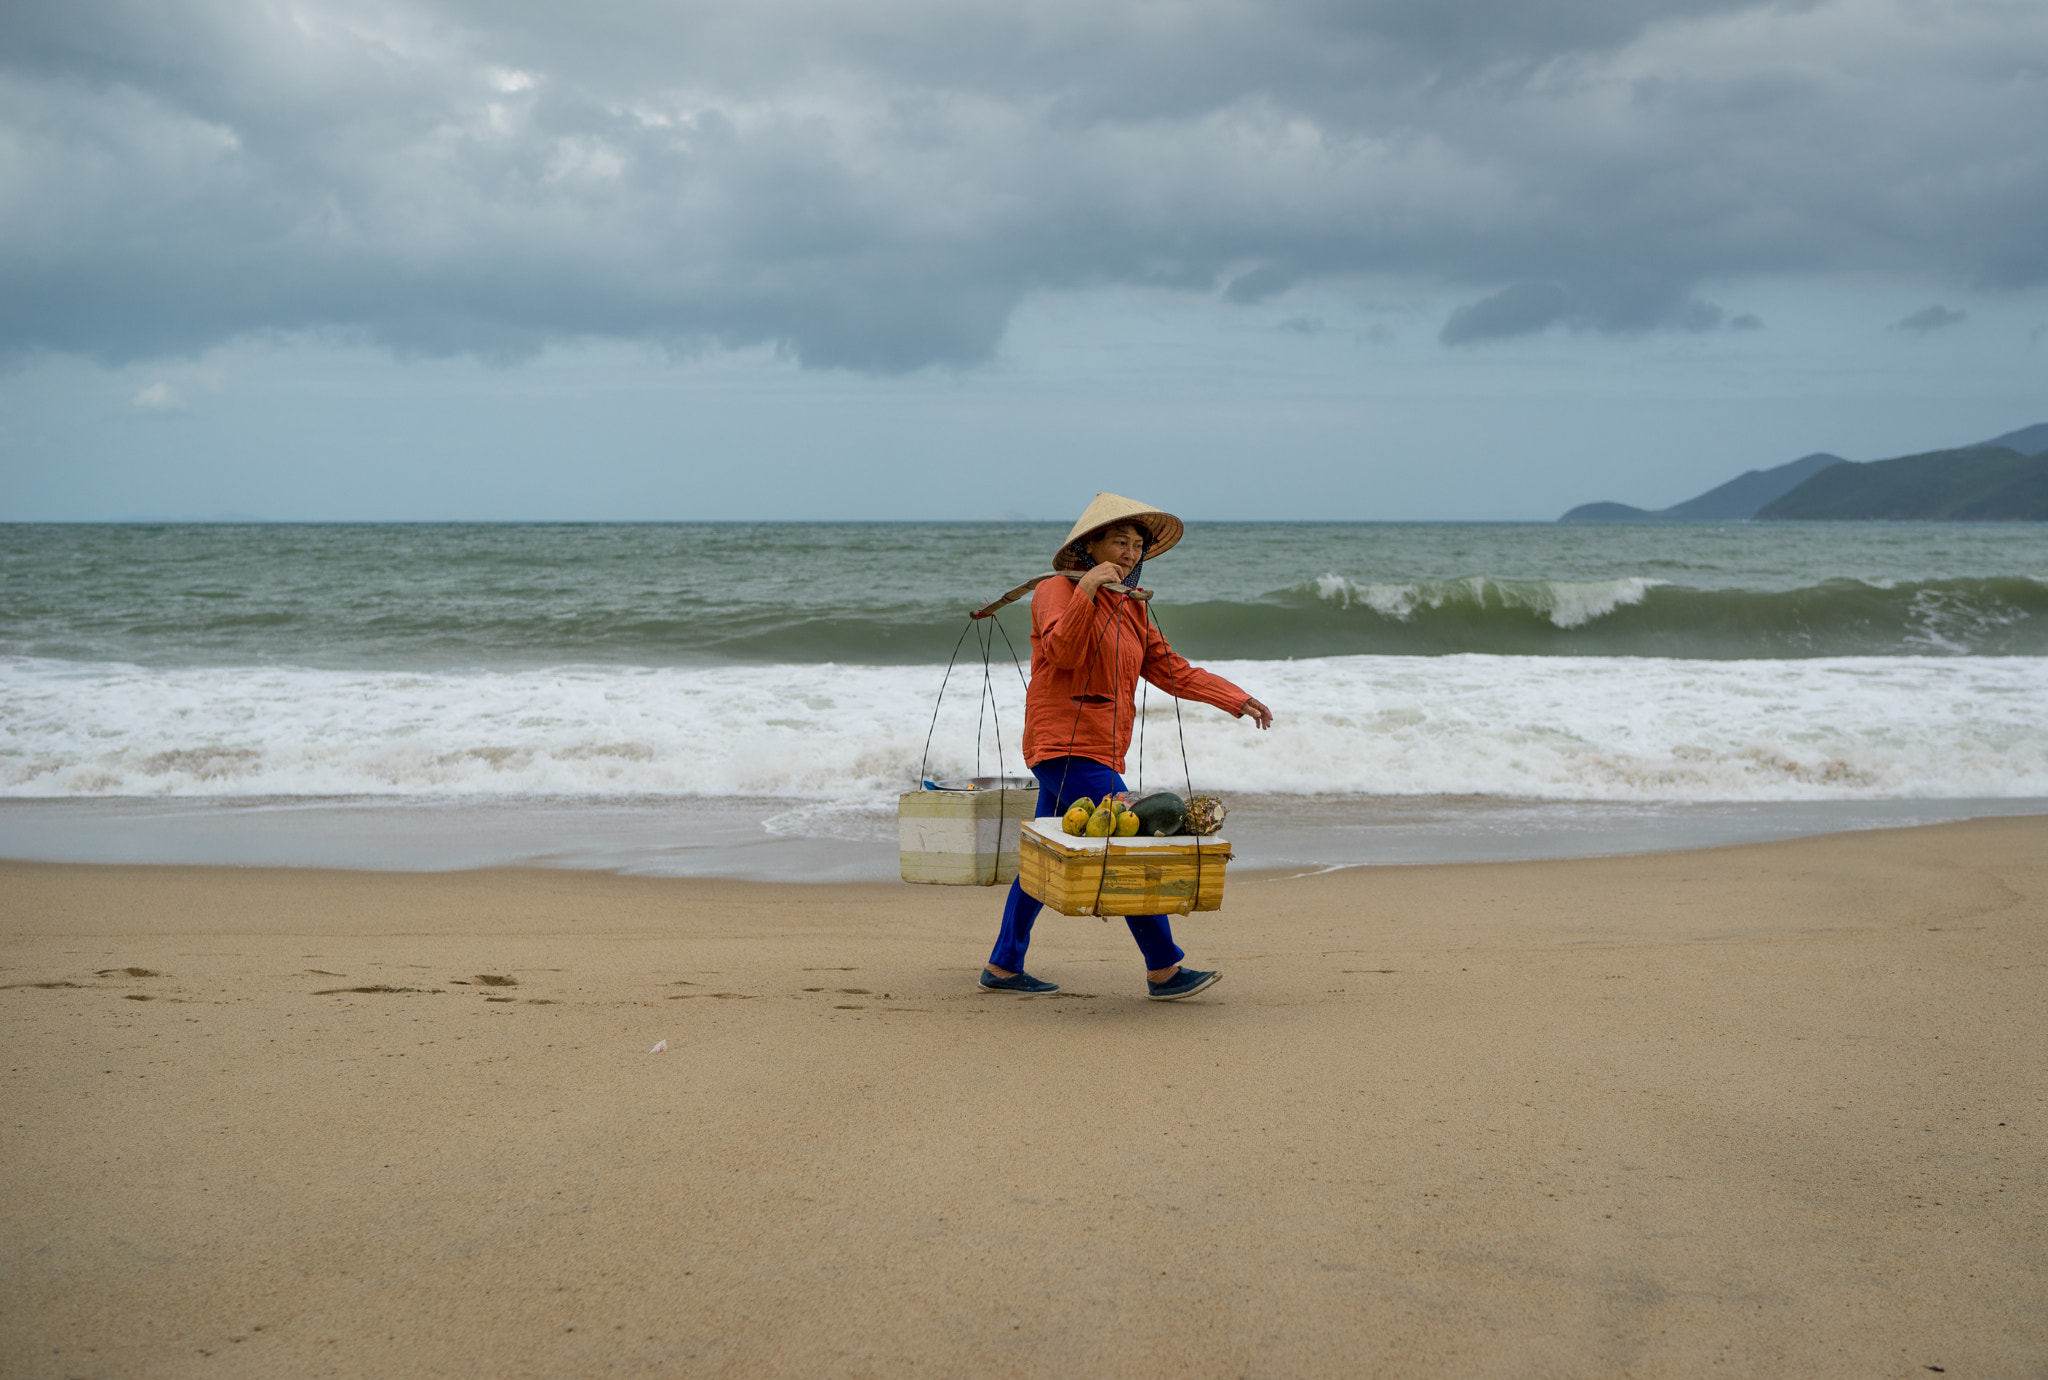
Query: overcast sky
[1370, 259]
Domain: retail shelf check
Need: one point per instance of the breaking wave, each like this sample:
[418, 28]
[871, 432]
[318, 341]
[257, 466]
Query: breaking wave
[1631, 616]
[1566, 728]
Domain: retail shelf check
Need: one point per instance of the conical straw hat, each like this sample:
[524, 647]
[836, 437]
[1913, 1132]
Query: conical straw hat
[1112, 508]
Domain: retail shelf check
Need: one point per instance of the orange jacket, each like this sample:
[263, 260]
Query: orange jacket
[1086, 657]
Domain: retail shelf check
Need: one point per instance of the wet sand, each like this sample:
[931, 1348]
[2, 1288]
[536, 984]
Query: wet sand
[1778, 1108]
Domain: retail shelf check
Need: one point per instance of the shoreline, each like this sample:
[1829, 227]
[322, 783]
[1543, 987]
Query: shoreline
[1778, 1106]
[832, 842]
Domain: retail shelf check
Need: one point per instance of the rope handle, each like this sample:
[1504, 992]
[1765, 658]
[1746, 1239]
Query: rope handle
[986, 710]
[1102, 880]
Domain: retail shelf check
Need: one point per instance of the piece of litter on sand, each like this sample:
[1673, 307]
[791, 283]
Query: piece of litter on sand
[660, 1048]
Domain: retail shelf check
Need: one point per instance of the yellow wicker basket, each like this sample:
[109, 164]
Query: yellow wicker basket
[1129, 876]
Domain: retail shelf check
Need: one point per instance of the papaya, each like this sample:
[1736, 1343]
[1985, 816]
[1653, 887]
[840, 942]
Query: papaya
[1159, 814]
[1102, 823]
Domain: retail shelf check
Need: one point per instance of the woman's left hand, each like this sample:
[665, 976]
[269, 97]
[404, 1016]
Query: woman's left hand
[1260, 715]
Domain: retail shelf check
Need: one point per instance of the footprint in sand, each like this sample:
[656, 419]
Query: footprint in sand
[380, 987]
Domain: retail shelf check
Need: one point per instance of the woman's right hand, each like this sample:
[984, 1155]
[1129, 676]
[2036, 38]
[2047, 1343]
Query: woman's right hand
[1105, 574]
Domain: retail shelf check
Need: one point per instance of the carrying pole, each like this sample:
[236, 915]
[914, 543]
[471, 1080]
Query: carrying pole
[1141, 595]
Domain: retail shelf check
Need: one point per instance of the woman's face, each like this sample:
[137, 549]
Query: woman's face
[1121, 544]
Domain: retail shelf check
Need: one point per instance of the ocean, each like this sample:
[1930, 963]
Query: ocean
[748, 699]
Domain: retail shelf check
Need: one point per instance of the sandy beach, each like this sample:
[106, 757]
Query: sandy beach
[1778, 1108]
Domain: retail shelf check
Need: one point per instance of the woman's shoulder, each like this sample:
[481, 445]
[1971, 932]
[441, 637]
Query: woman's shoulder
[1056, 592]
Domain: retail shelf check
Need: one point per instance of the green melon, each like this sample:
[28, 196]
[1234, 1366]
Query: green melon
[1159, 814]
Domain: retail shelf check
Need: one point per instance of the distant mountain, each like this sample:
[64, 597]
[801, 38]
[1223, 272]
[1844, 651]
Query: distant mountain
[1970, 485]
[1610, 512]
[2028, 440]
[1987, 483]
[1739, 498]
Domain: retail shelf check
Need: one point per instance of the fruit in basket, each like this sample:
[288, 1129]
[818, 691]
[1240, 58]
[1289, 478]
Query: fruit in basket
[1102, 823]
[1159, 814]
[1205, 814]
[1126, 824]
[1075, 820]
[1084, 803]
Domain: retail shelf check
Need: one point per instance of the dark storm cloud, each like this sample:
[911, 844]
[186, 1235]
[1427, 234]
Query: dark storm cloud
[1622, 305]
[878, 186]
[1929, 319]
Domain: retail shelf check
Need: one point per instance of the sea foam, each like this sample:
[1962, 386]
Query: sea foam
[1564, 603]
[1565, 728]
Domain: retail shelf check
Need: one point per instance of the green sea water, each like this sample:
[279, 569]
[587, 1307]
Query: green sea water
[434, 597]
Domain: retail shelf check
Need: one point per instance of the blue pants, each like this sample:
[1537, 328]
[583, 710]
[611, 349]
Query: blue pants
[1062, 781]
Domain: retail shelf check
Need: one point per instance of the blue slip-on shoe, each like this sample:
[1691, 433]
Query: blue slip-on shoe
[1016, 982]
[1184, 983]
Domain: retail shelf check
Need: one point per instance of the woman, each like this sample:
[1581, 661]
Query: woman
[1089, 645]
